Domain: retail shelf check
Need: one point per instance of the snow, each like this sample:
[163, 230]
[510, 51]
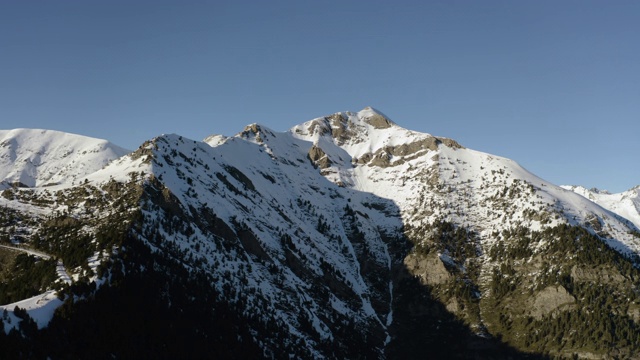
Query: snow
[36, 157]
[286, 194]
[474, 181]
[63, 276]
[490, 193]
[625, 204]
[40, 308]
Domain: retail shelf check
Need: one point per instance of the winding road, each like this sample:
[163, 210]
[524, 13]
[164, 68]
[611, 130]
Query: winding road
[28, 251]
[60, 270]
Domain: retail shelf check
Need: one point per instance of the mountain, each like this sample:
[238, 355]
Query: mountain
[31, 157]
[347, 236]
[400, 164]
[625, 204]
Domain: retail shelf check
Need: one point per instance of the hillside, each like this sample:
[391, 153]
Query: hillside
[32, 157]
[625, 204]
[345, 237]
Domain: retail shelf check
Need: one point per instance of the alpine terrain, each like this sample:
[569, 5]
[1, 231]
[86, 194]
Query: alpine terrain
[345, 237]
[626, 204]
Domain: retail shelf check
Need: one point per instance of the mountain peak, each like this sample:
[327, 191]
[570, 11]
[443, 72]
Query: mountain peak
[256, 133]
[35, 157]
[323, 242]
[368, 135]
[350, 127]
[375, 118]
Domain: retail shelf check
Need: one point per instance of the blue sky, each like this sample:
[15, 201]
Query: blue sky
[554, 85]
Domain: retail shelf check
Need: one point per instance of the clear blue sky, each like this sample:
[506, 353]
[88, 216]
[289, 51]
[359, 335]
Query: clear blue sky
[554, 85]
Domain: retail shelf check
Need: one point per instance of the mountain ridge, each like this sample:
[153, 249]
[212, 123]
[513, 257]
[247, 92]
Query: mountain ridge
[625, 204]
[36, 157]
[345, 236]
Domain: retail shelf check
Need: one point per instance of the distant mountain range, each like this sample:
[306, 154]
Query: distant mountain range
[347, 236]
[625, 204]
[36, 158]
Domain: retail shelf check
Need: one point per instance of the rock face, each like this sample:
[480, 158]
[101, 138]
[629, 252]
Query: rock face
[430, 270]
[319, 158]
[551, 299]
[400, 154]
[596, 275]
[378, 121]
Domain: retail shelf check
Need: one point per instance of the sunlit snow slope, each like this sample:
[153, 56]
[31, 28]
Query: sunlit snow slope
[625, 204]
[432, 178]
[31, 157]
[301, 232]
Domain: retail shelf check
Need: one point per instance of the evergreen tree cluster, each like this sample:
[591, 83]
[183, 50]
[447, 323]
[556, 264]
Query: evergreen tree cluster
[602, 281]
[29, 276]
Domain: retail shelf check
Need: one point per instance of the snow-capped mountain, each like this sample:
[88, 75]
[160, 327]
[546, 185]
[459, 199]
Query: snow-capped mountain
[367, 152]
[625, 204]
[347, 236]
[32, 157]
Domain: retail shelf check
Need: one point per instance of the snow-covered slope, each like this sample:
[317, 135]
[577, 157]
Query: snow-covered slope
[314, 235]
[431, 178]
[319, 183]
[31, 157]
[276, 226]
[625, 204]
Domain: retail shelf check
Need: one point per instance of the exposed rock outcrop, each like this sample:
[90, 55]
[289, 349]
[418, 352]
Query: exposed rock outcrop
[399, 154]
[318, 157]
[378, 121]
[430, 270]
[550, 299]
[597, 274]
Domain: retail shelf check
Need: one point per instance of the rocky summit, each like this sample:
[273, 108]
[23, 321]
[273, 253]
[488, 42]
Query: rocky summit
[345, 237]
